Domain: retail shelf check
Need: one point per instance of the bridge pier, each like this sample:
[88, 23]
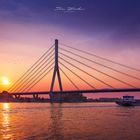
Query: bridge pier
[17, 96]
[35, 96]
[56, 98]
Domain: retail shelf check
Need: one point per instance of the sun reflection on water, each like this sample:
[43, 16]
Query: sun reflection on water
[6, 106]
[5, 122]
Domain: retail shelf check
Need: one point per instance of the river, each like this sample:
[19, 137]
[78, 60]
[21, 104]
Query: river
[68, 121]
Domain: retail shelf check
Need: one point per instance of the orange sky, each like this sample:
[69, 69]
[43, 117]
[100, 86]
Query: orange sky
[22, 44]
[108, 29]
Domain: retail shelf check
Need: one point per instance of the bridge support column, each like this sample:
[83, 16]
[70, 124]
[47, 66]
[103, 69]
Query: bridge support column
[17, 96]
[35, 96]
[56, 71]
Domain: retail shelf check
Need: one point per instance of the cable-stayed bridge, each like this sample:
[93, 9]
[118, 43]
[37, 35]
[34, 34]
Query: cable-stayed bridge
[77, 66]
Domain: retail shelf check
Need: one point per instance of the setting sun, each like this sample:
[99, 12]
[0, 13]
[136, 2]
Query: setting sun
[5, 81]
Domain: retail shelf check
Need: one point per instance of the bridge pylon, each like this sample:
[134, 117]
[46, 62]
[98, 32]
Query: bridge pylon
[57, 97]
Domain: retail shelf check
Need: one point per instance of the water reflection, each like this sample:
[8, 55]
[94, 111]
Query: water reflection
[56, 122]
[6, 106]
[5, 122]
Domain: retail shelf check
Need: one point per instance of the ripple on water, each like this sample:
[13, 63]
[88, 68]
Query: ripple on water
[70, 121]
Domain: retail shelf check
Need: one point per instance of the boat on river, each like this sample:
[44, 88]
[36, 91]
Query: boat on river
[127, 101]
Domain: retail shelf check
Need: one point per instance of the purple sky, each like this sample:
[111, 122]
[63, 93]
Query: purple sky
[109, 28]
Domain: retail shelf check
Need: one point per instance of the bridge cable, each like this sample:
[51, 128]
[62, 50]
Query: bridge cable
[69, 79]
[126, 74]
[36, 81]
[138, 70]
[34, 74]
[23, 80]
[78, 76]
[98, 70]
[36, 77]
[38, 73]
[30, 69]
[87, 73]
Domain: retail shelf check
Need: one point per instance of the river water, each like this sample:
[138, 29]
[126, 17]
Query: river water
[69, 121]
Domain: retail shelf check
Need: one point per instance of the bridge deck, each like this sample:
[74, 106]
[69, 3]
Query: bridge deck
[80, 91]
